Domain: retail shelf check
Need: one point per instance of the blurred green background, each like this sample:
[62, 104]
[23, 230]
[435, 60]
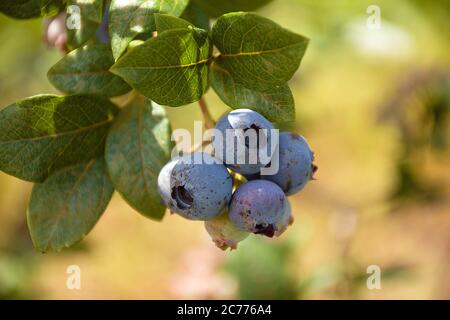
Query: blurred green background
[374, 105]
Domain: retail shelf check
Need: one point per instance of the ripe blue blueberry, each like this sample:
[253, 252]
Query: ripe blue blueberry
[164, 182]
[296, 166]
[249, 144]
[199, 187]
[259, 207]
[223, 233]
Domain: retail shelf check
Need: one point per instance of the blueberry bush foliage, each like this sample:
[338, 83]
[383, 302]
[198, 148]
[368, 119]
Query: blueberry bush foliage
[79, 147]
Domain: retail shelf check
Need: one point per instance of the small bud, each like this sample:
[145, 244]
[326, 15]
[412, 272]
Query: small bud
[54, 32]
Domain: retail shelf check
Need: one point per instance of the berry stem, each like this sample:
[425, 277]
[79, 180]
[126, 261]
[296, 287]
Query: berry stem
[129, 98]
[209, 122]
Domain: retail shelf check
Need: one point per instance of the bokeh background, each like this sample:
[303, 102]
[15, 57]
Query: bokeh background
[374, 105]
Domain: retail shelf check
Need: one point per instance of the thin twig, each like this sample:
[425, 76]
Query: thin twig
[209, 122]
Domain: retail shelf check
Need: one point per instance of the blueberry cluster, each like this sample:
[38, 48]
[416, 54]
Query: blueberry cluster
[201, 187]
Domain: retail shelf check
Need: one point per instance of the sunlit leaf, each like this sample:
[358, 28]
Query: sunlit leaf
[166, 22]
[89, 9]
[128, 18]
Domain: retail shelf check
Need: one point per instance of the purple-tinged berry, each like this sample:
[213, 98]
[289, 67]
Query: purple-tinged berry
[259, 207]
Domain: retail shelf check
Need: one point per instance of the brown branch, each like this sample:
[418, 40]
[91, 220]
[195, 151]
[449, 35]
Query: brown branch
[209, 122]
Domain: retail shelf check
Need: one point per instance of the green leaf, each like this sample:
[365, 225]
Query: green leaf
[89, 13]
[135, 43]
[257, 52]
[21, 9]
[133, 17]
[171, 69]
[137, 148]
[86, 70]
[28, 9]
[42, 134]
[277, 104]
[196, 15]
[166, 22]
[50, 7]
[65, 208]
[216, 8]
[89, 9]
[77, 37]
